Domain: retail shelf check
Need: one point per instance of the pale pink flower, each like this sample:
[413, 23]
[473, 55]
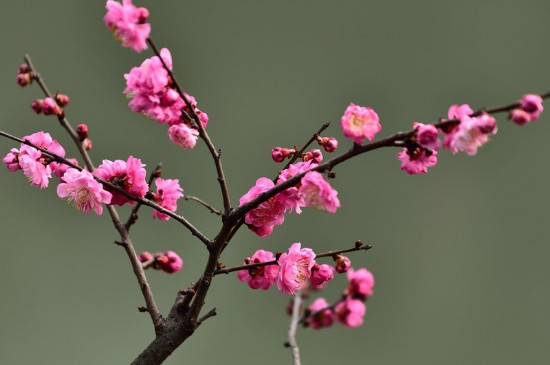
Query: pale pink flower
[321, 315]
[417, 161]
[260, 277]
[359, 123]
[35, 165]
[473, 132]
[350, 312]
[321, 275]
[183, 136]
[81, 187]
[455, 112]
[361, 283]
[128, 23]
[170, 262]
[129, 175]
[295, 268]
[427, 136]
[318, 193]
[167, 195]
[268, 214]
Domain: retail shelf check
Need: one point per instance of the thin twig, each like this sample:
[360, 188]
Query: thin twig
[274, 262]
[310, 141]
[202, 202]
[216, 154]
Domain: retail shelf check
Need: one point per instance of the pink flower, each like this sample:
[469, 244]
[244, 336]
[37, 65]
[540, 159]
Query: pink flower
[260, 277]
[35, 165]
[129, 175]
[529, 110]
[427, 136]
[318, 193]
[359, 123]
[321, 275]
[84, 190]
[128, 23]
[12, 160]
[417, 161]
[455, 112]
[473, 132]
[59, 168]
[361, 283]
[167, 195]
[321, 315]
[350, 312]
[330, 144]
[270, 213]
[343, 263]
[149, 87]
[294, 268]
[170, 262]
[183, 136]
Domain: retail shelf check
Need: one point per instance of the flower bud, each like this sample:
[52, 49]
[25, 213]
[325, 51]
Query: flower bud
[87, 144]
[342, 263]
[316, 156]
[145, 256]
[37, 106]
[49, 106]
[24, 79]
[321, 275]
[279, 154]
[329, 144]
[62, 99]
[82, 131]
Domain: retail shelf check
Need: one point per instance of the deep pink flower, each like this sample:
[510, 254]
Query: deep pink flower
[295, 268]
[129, 175]
[455, 112]
[260, 277]
[170, 262]
[128, 23]
[81, 187]
[321, 275]
[149, 87]
[529, 110]
[427, 136]
[167, 195]
[350, 312]
[417, 161]
[270, 213]
[49, 106]
[318, 193]
[321, 315]
[361, 283]
[359, 123]
[473, 132]
[183, 136]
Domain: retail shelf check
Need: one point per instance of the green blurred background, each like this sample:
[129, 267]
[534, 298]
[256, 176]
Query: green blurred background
[461, 254]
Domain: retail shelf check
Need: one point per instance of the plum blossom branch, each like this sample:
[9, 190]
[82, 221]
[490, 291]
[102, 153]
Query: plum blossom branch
[397, 139]
[216, 154]
[310, 141]
[139, 273]
[358, 247]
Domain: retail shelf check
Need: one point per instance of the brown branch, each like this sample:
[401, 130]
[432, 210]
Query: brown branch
[202, 202]
[216, 154]
[310, 141]
[274, 262]
[291, 342]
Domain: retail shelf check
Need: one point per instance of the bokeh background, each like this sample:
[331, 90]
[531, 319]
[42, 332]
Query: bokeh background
[460, 255]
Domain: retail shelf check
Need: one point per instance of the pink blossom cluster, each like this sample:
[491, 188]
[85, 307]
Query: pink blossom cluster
[128, 23]
[359, 123]
[313, 191]
[348, 311]
[167, 195]
[150, 88]
[169, 262]
[36, 166]
[529, 109]
[128, 175]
